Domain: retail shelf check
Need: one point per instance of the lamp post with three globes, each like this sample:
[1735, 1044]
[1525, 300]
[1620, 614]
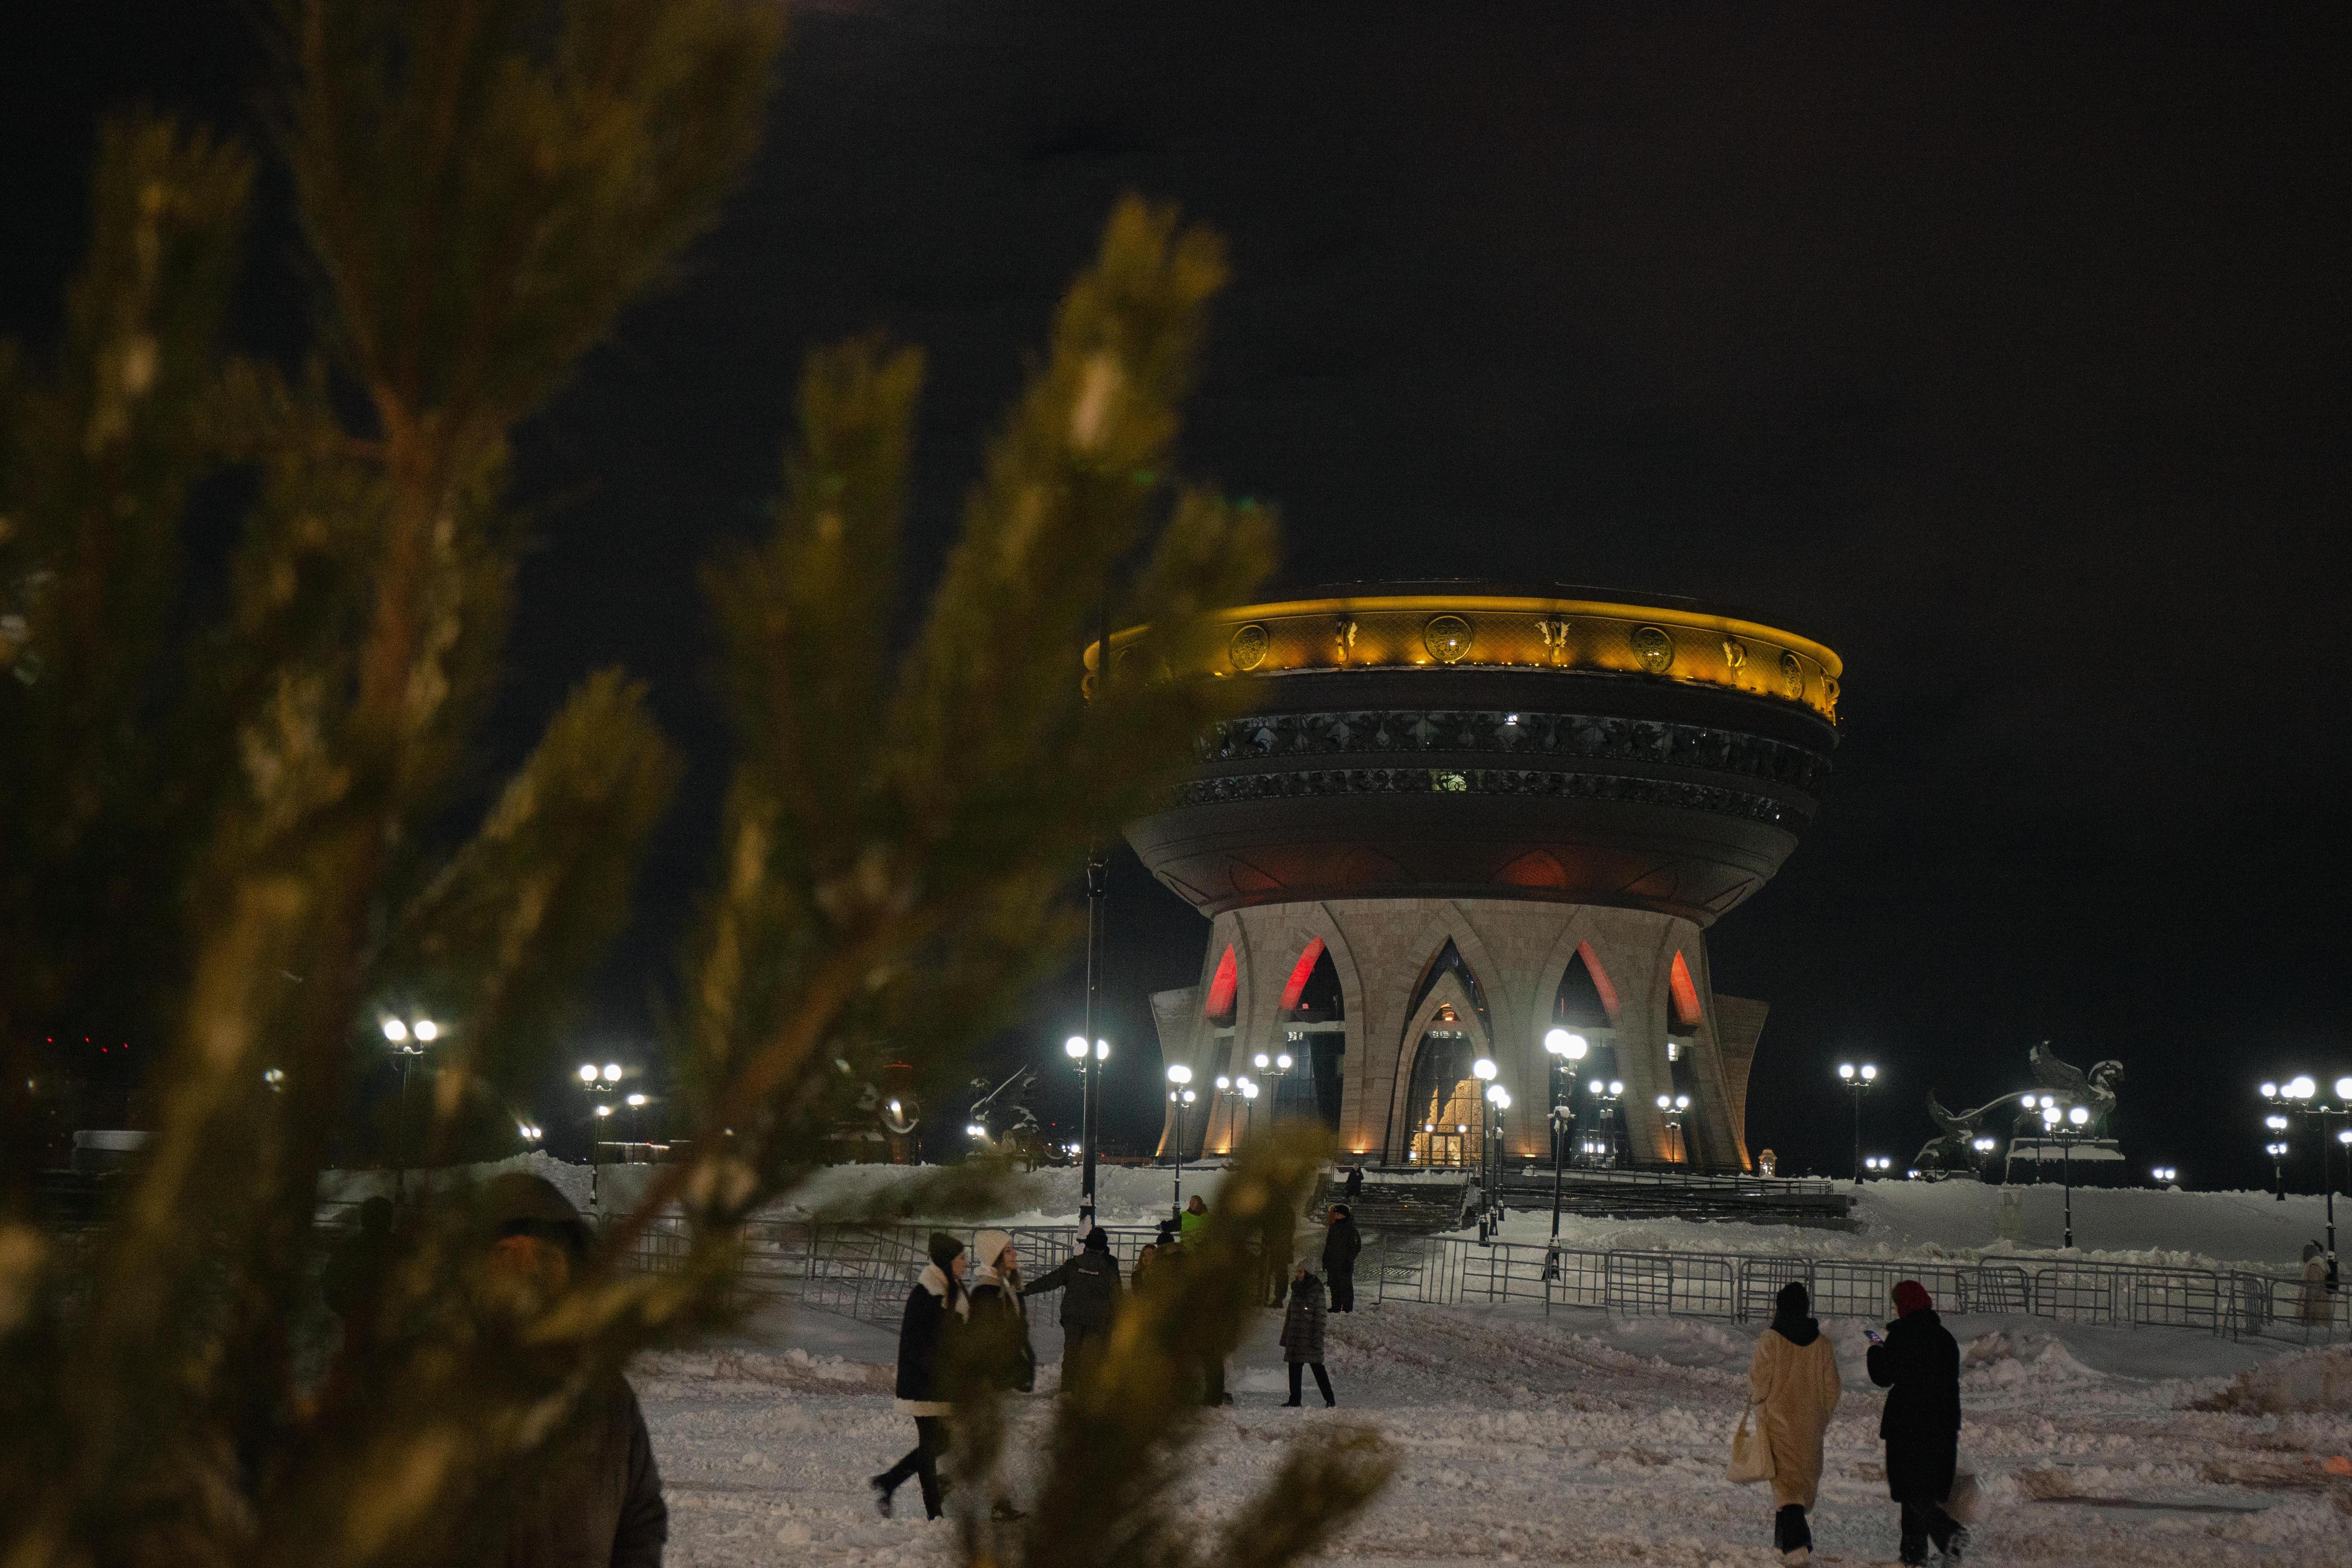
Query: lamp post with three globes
[2300, 1094]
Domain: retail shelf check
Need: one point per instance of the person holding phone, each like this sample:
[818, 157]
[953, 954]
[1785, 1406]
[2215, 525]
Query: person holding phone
[1919, 1363]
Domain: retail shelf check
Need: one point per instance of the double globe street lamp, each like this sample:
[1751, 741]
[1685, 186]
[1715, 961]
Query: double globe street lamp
[1566, 1051]
[2066, 1126]
[1858, 1080]
[1671, 1108]
[1606, 1096]
[1182, 1095]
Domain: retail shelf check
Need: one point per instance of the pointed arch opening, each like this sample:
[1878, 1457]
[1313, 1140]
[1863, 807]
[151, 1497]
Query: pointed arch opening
[1449, 961]
[1314, 1011]
[1445, 1109]
[1585, 1004]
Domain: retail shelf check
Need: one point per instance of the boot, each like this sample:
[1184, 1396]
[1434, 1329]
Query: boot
[881, 1495]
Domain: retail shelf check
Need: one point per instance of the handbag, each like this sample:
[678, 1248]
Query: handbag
[1967, 1499]
[1751, 1451]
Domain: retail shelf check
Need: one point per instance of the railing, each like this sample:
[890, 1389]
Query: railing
[864, 1271]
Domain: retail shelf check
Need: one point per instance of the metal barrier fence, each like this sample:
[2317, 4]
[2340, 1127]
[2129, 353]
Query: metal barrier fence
[864, 1271]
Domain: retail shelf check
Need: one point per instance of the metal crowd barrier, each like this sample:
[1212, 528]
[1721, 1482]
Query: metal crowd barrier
[864, 1271]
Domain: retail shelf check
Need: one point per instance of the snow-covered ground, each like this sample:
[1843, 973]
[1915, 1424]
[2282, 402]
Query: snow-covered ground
[1962, 1218]
[1578, 1440]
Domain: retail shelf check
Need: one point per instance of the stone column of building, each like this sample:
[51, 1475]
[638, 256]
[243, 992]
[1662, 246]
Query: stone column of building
[1517, 951]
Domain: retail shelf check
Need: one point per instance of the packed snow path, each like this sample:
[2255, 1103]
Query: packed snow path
[1581, 1439]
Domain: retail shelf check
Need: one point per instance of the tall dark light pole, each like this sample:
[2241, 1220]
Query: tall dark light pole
[1858, 1080]
[1098, 940]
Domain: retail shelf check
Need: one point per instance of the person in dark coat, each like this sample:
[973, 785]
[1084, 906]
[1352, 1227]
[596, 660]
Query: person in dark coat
[1919, 1363]
[936, 1310]
[1090, 1284]
[1302, 1336]
[1090, 1294]
[996, 1348]
[594, 1500]
[1342, 1242]
[1355, 1186]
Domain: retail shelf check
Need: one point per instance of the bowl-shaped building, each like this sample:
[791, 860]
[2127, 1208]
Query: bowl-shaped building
[1451, 821]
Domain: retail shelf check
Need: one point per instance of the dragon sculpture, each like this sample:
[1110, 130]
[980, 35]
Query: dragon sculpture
[1954, 1147]
[2071, 1086]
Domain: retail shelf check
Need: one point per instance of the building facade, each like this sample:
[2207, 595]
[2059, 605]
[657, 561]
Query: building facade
[1450, 823]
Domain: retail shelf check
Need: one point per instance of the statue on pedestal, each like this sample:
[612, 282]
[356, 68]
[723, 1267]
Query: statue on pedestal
[2070, 1086]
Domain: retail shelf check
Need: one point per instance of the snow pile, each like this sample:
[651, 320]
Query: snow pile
[2009, 1360]
[2313, 1380]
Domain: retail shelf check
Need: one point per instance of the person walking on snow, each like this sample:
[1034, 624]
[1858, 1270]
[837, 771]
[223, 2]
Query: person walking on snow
[1792, 1380]
[1090, 1284]
[1355, 1187]
[1302, 1336]
[937, 1308]
[1340, 1244]
[1919, 1363]
[996, 1336]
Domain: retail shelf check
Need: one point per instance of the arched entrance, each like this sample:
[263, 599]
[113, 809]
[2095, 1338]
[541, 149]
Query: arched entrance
[1445, 1109]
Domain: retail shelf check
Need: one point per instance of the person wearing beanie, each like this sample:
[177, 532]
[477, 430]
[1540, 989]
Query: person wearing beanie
[936, 1310]
[595, 1496]
[1918, 1364]
[1792, 1381]
[1090, 1284]
[997, 1355]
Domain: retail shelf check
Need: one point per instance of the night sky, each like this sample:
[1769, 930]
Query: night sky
[2003, 348]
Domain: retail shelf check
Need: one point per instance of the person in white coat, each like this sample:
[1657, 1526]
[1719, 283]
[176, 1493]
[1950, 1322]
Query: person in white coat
[1792, 1379]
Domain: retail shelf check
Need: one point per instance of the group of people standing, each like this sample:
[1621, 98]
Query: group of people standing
[1793, 1386]
[967, 1318]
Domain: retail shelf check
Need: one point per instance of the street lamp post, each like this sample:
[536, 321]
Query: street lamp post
[2301, 1094]
[1606, 1096]
[1858, 1081]
[407, 1039]
[1566, 1051]
[1273, 1068]
[2067, 1127]
[1181, 1096]
[1484, 1070]
[1500, 1099]
[598, 1079]
[1671, 1108]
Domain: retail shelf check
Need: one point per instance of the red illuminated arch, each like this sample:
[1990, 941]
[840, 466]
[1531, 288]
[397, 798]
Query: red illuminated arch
[1685, 995]
[1300, 973]
[1599, 979]
[1220, 1007]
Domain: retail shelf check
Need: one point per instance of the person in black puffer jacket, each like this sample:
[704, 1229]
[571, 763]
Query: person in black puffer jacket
[936, 1310]
[1302, 1334]
[1090, 1291]
[1919, 1364]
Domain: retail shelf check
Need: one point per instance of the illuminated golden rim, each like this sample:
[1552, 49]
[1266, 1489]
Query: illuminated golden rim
[1687, 646]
